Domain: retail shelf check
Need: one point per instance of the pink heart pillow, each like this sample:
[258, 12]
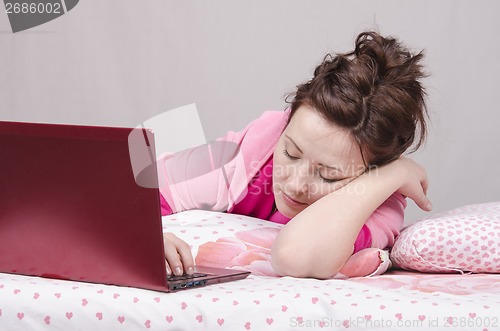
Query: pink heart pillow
[465, 239]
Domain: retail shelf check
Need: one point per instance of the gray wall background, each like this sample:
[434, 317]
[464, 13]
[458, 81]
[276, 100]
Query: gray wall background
[121, 62]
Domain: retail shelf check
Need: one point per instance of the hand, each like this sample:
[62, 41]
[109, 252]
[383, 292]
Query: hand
[415, 182]
[178, 255]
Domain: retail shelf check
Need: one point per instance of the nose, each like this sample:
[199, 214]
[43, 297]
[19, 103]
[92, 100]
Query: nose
[298, 180]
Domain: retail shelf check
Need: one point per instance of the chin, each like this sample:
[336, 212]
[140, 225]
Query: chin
[286, 210]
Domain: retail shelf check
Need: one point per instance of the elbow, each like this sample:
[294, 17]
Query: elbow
[290, 261]
[284, 265]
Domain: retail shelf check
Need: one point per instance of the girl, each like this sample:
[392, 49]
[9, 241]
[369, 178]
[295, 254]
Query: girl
[330, 167]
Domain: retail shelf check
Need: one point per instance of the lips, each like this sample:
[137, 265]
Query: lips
[290, 201]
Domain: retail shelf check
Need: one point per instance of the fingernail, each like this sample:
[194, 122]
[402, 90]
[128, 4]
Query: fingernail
[429, 206]
[169, 272]
[190, 270]
[178, 271]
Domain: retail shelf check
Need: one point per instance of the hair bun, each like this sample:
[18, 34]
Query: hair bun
[391, 61]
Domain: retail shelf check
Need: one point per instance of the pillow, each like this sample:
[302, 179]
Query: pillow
[465, 239]
[225, 240]
[241, 242]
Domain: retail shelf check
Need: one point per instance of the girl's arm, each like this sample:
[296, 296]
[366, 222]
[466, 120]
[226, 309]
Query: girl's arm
[319, 240]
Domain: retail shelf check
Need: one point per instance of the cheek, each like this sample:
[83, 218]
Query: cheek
[279, 167]
[279, 159]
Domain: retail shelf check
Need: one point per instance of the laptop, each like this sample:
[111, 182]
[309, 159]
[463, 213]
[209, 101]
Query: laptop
[72, 207]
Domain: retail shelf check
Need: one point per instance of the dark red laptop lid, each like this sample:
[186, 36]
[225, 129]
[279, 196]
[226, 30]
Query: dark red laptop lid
[70, 206]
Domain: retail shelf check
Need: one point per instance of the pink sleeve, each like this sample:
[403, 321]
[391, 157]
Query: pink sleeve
[165, 207]
[386, 221]
[192, 179]
[378, 233]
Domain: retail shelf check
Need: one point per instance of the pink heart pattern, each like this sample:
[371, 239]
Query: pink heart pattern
[274, 303]
[470, 242]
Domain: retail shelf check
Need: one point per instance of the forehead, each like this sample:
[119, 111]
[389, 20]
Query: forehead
[321, 141]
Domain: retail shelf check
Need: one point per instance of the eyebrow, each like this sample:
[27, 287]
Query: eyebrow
[319, 164]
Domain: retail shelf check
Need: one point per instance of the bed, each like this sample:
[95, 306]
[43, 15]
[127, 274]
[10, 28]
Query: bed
[399, 299]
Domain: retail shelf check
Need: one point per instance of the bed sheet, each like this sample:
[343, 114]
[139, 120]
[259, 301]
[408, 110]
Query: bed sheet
[397, 300]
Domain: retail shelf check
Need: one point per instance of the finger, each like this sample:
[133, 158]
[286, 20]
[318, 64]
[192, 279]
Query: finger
[174, 262]
[166, 248]
[425, 184]
[425, 188]
[186, 257]
[423, 202]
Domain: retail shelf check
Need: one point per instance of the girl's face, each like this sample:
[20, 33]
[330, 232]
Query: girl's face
[312, 159]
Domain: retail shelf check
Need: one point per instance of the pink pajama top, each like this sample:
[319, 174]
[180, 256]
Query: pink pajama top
[243, 184]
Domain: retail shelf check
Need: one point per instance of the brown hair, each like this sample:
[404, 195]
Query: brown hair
[374, 92]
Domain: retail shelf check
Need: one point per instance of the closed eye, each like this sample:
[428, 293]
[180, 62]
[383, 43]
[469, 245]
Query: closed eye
[285, 152]
[329, 177]
[329, 180]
